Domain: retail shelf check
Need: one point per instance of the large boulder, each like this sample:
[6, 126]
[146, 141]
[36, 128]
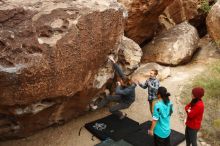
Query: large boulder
[129, 55]
[185, 10]
[143, 72]
[173, 47]
[213, 22]
[143, 18]
[181, 10]
[52, 52]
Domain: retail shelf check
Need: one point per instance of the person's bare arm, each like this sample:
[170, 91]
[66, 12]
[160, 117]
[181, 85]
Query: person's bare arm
[151, 131]
[144, 85]
[156, 117]
[112, 59]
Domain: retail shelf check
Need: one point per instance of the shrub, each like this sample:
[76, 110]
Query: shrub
[205, 5]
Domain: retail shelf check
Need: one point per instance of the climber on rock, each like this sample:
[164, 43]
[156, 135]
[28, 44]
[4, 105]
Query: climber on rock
[124, 93]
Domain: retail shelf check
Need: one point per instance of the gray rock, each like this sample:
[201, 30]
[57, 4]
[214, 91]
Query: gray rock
[213, 22]
[173, 47]
[130, 55]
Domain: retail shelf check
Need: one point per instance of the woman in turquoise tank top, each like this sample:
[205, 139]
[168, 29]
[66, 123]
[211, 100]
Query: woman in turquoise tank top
[160, 127]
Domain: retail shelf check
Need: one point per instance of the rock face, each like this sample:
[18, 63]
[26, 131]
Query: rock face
[51, 54]
[181, 10]
[213, 22]
[143, 18]
[173, 47]
[129, 55]
[142, 73]
[185, 10]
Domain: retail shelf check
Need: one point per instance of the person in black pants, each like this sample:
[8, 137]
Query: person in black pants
[194, 111]
[124, 94]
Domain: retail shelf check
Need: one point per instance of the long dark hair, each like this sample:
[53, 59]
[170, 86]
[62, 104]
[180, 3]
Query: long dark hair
[162, 91]
[194, 101]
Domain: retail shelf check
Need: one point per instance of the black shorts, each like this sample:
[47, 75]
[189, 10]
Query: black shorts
[158, 141]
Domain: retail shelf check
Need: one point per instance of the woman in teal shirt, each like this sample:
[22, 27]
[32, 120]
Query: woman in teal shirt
[160, 127]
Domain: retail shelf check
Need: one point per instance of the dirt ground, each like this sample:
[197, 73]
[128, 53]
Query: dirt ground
[67, 135]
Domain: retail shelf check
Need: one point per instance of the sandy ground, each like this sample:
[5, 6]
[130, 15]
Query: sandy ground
[67, 135]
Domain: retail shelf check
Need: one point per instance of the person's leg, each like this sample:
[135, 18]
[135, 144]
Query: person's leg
[150, 106]
[115, 109]
[193, 136]
[107, 99]
[159, 141]
[155, 141]
[187, 137]
[167, 141]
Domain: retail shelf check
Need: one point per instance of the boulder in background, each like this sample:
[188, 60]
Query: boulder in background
[173, 47]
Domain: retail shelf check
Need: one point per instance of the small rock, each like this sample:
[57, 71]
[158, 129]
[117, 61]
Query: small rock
[203, 143]
[201, 140]
[199, 134]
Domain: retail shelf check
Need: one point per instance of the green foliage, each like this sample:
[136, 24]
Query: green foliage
[210, 80]
[205, 7]
[217, 123]
[217, 42]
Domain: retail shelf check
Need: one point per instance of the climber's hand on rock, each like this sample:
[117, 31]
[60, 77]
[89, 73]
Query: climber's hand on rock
[118, 84]
[111, 59]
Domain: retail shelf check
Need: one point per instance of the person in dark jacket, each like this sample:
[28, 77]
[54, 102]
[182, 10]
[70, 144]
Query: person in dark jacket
[124, 94]
[152, 84]
[194, 111]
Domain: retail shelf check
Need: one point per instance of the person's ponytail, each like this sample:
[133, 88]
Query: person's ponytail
[162, 91]
[168, 94]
